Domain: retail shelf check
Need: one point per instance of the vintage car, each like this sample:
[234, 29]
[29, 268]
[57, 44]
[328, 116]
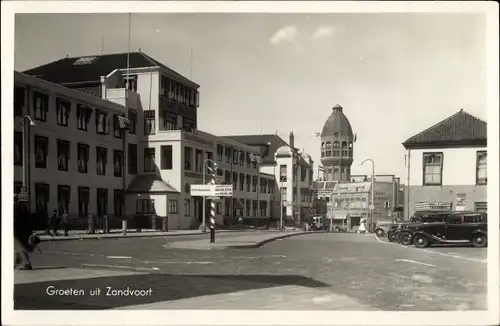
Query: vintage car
[404, 232]
[461, 227]
[382, 227]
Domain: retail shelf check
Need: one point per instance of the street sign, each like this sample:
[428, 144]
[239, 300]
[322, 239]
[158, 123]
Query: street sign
[371, 207]
[22, 196]
[212, 190]
[202, 190]
[223, 190]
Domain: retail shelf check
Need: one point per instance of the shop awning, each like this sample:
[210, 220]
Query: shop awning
[149, 183]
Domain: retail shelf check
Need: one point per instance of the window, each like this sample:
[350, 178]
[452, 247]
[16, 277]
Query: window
[248, 207]
[198, 161]
[263, 185]
[228, 154]
[350, 149]
[63, 151]
[481, 168]
[166, 157]
[328, 148]
[83, 158]
[145, 206]
[63, 197]
[336, 148]
[210, 155]
[294, 193]
[63, 111]
[118, 202]
[242, 182]
[242, 158]
[168, 120]
[218, 207]
[454, 219]
[220, 152]
[118, 163]
[117, 130]
[481, 206]
[284, 193]
[83, 201]
[188, 158]
[102, 201]
[187, 207]
[247, 158]
[18, 148]
[433, 168]
[41, 151]
[149, 122]
[130, 83]
[270, 186]
[41, 197]
[249, 182]
[303, 173]
[235, 180]
[173, 206]
[263, 208]
[132, 158]
[236, 156]
[19, 98]
[295, 169]
[101, 122]
[227, 177]
[101, 160]
[254, 206]
[132, 117]
[40, 105]
[283, 172]
[322, 149]
[83, 114]
[149, 160]
[344, 148]
[188, 124]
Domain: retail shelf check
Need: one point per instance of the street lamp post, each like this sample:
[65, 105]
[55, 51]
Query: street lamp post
[26, 155]
[215, 165]
[372, 192]
[281, 203]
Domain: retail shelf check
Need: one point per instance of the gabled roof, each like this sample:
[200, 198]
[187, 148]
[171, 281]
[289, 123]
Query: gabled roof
[150, 183]
[64, 71]
[461, 129]
[262, 141]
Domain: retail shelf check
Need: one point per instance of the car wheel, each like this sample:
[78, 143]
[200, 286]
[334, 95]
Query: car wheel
[379, 233]
[405, 238]
[420, 241]
[479, 240]
[391, 236]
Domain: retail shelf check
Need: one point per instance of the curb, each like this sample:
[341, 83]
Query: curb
[144, 235]
[284, 236]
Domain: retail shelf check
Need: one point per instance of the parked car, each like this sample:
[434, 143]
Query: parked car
[404, 232]
[458, 228]
[382, 227]
[393, 229]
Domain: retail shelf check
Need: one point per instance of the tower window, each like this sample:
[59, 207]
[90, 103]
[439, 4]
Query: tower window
[328, 149]
[344, 148]
[322, 149]
[336, 148]
[350, 149]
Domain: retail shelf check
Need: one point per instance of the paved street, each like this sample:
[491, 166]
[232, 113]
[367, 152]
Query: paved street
[314, 271]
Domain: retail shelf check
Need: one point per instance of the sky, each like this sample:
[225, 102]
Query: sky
[394, 74]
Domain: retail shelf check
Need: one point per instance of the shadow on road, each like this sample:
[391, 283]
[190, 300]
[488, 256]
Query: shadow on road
[164, 287]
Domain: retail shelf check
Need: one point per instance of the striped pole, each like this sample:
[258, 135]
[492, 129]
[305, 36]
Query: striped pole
[212, 205]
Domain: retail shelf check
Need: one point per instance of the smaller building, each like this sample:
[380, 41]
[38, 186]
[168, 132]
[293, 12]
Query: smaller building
[447, 166]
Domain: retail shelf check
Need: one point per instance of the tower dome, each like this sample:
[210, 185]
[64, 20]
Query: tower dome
[337, 146]
[337, 123]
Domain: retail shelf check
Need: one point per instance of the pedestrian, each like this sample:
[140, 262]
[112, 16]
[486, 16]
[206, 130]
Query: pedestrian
[55, 222]
[24, 241]
[65, 224]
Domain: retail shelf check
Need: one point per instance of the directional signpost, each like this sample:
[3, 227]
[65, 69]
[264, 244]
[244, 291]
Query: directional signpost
[212, 191]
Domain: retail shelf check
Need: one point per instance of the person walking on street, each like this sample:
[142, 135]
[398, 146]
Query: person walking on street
[65, 224]
[55, 222]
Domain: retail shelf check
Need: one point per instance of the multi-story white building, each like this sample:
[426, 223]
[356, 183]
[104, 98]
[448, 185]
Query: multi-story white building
[155, 161]
[292, 170]
[446, 166]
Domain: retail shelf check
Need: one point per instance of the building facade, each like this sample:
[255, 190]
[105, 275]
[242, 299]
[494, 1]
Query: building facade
[337, 147]
[291, 170]
[447, 166]
[79, 106]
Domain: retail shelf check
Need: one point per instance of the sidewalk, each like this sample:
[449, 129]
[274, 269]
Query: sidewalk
[114, 234]
[254, 240]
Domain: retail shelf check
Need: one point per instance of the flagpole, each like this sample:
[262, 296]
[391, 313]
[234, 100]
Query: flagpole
[128, 51]
[191, 64]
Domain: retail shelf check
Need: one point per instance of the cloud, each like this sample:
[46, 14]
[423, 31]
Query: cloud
[323, 31]
[284, 34]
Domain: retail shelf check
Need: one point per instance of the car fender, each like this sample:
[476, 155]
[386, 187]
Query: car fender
[414, 234]
[480, 231]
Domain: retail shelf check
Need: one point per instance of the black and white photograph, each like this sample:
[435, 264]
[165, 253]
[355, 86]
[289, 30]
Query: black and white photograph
[250, 163]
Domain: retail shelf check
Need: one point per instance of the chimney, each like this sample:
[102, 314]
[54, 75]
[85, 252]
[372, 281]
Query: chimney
[292, 139]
